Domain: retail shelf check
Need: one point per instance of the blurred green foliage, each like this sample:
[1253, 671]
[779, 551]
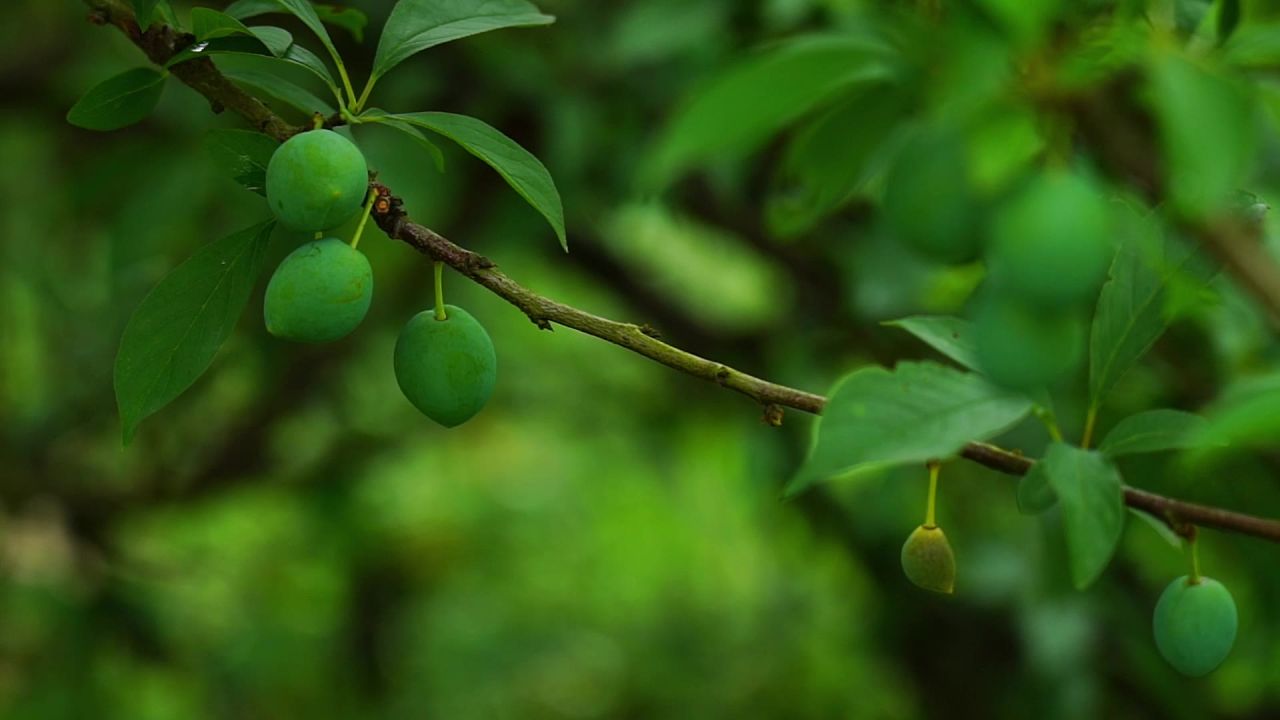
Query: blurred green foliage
[606, 540]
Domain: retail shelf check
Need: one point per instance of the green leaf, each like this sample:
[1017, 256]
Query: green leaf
[1247, 415]
[522, 171]
[176, 331]
[350, 19]
[118, 101]
[951, 336]
[347, 18]
[303, 10]
[415, 25]
[1092, 498]
[230, 45]
[876, 418]
[277, 40]
[242, 155]
[762, 95]
[1034, 493]
[208, 24]
[1131, 313]
[145, 11]
[295, 54]
[281, 89]
[833, 157]
[379, 117]
[1153, 431]
[1254, 46]
[1162, 528]
[1207, 130]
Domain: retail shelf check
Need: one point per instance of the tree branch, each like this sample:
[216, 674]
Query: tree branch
[160, 43]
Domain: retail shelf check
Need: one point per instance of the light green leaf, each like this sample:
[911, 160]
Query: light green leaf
[1254, 46]
[1092, 498]
[281, 89]
[764, 94]
[951, 336]
[118, 101]
[242, 155]
[1153, 431]
[1207, 130]
[415, 25]
[1162, 529]
[876, 418]
[522, 171]
[176, 331]
[379, 117]
[1034, 492]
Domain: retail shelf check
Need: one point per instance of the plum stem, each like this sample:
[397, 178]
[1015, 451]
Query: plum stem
[931, 507]
[364, 217]
[439, 276]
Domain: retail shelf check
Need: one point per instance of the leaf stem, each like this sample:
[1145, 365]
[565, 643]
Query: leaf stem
[931, 507]
[439, 273]
[364, 94]
[1090, 420]
[364, 217]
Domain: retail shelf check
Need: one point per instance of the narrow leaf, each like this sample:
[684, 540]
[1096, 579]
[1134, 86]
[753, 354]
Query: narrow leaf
[1092, 498]
[415, 25]
[176, 331]
[877, 418]
[281, 89]
[350, 19]
[951, 336]
[1162, 528]
[764, 94]
[145, 11]
[1247, 415]
[242, 155]
[381, 118]
[118, 101]
[1153, 431]
[522, 171]
[277, 40]
[208, 24]
[303, 10]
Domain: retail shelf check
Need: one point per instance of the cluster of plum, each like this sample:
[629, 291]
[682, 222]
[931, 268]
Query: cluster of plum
[1047, 245]
[316, 181]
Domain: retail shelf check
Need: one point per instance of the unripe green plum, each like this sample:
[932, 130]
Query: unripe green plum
[1195, 625]
[316, 180]
[1023, 348]
[928, 561]
[320, 292]
[1053, 241]
[446, 368]
[929, 203]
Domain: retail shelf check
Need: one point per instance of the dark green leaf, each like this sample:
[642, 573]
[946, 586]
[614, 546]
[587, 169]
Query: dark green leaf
[1092, 498]
[1254, 46]
[1162, 528]
[118, 101]
[1153, 431]
[951, 336]
[146, 11]
[230, 45]
[242, 155]
[303, 10]
[522, 171]
[281, 89]
[347, 18]
[918, 412]
[764, 94]
[1247, 415]
[176, 331]
[1228, 19]
[244, 45]
[1034, 492]
[382, 118]
[277, 40]
[1131, 313]
[832, 158]
[208, 24]
[415, 25]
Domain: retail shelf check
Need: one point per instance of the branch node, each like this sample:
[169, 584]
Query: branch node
[773, 414]
[651, 331]
[722, 374]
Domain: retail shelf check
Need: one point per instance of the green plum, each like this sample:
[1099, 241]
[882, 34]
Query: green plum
[1195, 625]
[1023, 348]
[320, 292]
[446, 368]
[316, 180]
[1053, 241]
[929, 203]
[928, 561]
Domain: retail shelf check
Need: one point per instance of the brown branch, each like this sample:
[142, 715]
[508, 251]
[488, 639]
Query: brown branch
[160, 43]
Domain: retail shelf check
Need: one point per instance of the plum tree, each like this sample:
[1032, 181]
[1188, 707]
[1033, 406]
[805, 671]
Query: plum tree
[316, 181]
[927, 560]
[447, 368]
[1022, 347]
[319, 293]
[1195, 624]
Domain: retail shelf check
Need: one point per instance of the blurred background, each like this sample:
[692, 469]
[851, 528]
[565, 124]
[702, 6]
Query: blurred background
[607, 539]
